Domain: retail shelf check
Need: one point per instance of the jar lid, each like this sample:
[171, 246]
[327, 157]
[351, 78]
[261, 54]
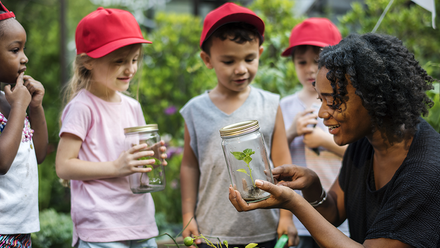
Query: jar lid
[239, 128]
[146, 128]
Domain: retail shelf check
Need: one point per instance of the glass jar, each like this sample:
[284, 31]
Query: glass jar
[246, 157]
[154, 180]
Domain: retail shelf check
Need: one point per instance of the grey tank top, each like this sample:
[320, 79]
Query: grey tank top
[215, 215]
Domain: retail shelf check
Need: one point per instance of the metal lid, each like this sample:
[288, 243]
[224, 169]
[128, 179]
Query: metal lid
[239, 128]
[146, 128]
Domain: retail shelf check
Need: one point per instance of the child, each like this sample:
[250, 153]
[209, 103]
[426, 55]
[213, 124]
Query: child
[21, 147]
[300, 115]
[91, 152]
[231, 45]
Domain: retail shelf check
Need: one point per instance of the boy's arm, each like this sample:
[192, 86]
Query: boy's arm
[321, 138]
[281, 155]
[189, 181]
[36, 117]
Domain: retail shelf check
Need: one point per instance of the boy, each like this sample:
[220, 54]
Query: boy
[300, 115]
[231, 45]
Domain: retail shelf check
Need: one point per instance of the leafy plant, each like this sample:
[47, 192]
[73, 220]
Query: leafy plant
[189, 241]
[56, 230]
[246, 157]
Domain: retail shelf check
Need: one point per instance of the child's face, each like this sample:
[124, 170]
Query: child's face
[306, 66]
[115, 70]
[12, 58]
[235, 64]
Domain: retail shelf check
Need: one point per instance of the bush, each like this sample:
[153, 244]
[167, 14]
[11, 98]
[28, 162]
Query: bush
[56, 230]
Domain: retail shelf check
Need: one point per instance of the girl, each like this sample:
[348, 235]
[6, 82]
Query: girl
[373, 93]
[91, 150]
[21, 148]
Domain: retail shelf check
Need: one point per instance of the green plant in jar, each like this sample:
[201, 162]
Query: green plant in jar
[246, 157]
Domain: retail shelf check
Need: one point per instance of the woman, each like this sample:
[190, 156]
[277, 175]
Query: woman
[373, 93]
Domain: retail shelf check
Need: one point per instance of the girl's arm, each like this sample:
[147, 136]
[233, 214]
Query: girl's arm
[189, 181]
[36, 117]
[281, 155]
[18, 99]
[69, 167]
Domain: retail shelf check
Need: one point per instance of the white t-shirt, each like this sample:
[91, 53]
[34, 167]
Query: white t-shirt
[106, 210]
[19, 191]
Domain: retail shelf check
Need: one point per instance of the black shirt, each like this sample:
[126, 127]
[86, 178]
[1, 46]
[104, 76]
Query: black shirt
[407, 208]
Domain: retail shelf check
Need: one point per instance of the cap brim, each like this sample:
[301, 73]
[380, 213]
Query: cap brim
[288, 51]
[112, 46]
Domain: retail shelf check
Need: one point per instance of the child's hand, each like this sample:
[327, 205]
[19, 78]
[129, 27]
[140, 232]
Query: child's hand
[305, 119]
[129, 161]
[315, 139]
[18, 96]
[36, 89]
[163, 150]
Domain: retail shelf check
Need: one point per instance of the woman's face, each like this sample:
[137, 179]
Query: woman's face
[351, 121]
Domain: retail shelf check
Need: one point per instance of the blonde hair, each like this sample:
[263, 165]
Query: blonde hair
[80, 80]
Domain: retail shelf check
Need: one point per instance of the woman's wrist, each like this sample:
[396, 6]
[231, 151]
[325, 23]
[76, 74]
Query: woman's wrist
[321, 199]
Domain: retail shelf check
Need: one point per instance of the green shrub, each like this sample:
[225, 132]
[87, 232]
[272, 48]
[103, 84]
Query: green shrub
[55, 230]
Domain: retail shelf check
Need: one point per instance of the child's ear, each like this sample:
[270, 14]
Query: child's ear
[261, 50]
[206, 59]
[88, 62]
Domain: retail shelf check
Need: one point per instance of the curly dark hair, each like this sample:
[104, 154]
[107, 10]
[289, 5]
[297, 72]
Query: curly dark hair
[239, 32]
[386, 76]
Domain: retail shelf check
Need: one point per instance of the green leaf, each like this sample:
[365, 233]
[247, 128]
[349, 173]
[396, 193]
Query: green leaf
[242, 170]
[248, 152]
[238, 155]
[247, 159]
[251, 245]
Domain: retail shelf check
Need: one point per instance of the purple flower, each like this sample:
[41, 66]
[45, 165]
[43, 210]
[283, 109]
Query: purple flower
[171, 151]
[170, 110]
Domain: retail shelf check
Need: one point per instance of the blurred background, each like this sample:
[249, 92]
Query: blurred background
[172, 71]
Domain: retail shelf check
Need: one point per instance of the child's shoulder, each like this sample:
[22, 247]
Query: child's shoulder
[264, 94]
[202, 98]
[129, 99]
[290, 98]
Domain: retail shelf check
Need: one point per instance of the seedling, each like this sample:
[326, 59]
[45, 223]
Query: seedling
[156, 163]
[189, 241]
[246, 157]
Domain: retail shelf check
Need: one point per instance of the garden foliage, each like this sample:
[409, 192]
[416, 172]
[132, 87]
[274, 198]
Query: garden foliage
[173, 73]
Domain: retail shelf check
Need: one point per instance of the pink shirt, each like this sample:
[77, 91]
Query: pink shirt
[106, 210]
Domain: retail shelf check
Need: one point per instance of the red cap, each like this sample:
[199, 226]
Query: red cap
[106, 30]
[228, 13]
[6, 15]
[314, 31]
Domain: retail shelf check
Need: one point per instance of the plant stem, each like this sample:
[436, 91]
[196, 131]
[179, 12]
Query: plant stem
[250, 174]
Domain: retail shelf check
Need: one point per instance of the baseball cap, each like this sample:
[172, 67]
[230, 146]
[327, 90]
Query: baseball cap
[228, 13]
[7, 15]
[314, 31]
[106, 30]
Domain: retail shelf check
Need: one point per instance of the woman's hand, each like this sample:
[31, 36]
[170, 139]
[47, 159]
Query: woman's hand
[294, 177]
[281, 197]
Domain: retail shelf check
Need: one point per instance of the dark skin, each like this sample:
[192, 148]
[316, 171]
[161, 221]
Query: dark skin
[22, 93]
[347, 126]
